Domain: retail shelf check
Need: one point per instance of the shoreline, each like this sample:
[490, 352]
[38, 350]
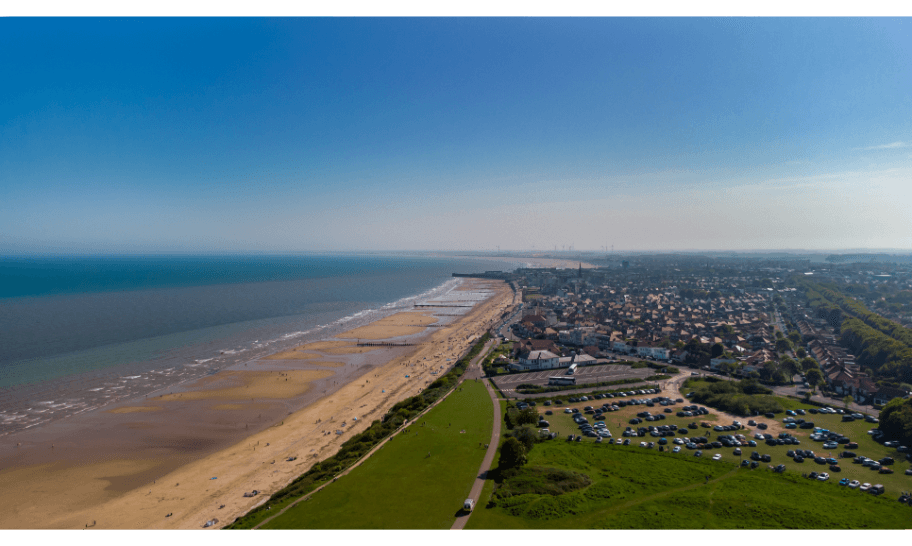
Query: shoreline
[28, 406]
[126, 486]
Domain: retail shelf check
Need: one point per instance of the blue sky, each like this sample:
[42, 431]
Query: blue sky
[183, 135]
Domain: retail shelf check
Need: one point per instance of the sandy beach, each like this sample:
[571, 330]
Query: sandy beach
[192, 452]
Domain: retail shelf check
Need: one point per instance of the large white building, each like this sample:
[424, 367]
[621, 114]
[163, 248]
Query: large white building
[539, 360]
[658, 353]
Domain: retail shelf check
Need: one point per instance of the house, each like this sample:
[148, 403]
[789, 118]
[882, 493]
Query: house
[716, 362]
[885, 394]
[539, 360]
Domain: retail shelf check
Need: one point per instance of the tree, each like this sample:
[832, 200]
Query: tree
[847, 401]
[528, 416]
[800, 352]
[814, 377]
[794, 337]
[808, 363]
[783, 345]
[512, 454]
[716, 350]
[789, 367]
[726, 368]
[527, 436]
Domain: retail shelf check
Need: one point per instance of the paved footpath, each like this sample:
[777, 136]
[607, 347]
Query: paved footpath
[488, 461]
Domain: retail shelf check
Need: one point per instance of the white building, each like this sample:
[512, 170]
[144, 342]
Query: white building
[658, 353]
[539, 360]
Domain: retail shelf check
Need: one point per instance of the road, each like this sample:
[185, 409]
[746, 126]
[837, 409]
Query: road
[488, 462]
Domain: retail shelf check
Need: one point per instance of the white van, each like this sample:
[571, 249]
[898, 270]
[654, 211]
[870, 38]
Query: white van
[468, 505]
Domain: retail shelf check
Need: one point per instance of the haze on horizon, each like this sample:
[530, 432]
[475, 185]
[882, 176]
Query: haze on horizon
[321, 134]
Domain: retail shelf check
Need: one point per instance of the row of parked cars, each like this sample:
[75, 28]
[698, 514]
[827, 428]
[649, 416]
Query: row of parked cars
[575, 399]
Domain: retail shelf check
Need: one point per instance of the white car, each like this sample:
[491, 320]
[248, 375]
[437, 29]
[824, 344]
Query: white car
[678, 441]
[854, 484]
[717, 457]
[568, 410]
[642, 444]
[823, 477]
[677, 449]
[864, 487]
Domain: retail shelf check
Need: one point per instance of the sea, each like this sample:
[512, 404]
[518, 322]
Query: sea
[81, 332]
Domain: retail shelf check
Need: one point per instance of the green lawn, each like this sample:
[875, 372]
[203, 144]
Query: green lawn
[401, 487]
[635, 488]
[857, 430]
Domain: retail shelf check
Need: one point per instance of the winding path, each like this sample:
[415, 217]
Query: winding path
[475, 372]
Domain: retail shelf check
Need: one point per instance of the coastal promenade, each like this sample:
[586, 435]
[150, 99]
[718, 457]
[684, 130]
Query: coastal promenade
[475, 364]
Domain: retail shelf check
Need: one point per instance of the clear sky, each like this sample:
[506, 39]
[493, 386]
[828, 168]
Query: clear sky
[184, 135]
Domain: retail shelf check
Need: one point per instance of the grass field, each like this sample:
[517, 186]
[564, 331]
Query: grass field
[857, 430]
[635, 488]
[400, 486]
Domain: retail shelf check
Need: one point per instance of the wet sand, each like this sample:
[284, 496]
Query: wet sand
[127, 467]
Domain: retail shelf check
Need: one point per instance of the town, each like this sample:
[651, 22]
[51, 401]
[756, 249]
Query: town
[739, 317]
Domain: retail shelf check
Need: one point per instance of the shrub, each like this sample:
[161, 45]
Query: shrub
[512, 454]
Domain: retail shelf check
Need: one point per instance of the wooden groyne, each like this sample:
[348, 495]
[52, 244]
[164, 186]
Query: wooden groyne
[384, 344]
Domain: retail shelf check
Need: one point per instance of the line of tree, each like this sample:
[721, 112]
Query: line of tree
[879, 344]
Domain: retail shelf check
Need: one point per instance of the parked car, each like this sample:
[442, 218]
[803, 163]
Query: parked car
[717, 457]
[698, 454]
[854, 484]
[865, 487]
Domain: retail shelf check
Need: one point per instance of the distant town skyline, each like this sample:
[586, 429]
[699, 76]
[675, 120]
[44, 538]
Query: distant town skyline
[454, 134]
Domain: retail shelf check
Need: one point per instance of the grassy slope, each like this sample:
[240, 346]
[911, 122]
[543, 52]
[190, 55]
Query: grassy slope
[635, 488]
[400, 487]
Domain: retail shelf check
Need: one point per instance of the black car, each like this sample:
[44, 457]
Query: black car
[754, 464]
[820, 460]
[812, 476]
[847, 454]
[745, 462]
[766, 458]
[790, 453]
[755, 456]
[798, 459]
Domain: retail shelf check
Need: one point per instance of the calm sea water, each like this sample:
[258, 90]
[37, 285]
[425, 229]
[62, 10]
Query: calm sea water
[75, 320]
